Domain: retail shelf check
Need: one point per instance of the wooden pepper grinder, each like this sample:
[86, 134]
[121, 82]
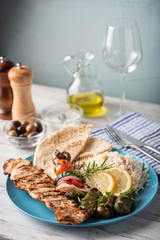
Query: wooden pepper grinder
[20, 78]
[6, 95]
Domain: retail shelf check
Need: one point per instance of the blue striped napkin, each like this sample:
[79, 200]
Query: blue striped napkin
[140, 128]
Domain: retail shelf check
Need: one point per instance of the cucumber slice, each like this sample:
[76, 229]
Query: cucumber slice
[64, 174]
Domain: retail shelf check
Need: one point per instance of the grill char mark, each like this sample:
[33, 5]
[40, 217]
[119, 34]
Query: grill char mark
[41, 187]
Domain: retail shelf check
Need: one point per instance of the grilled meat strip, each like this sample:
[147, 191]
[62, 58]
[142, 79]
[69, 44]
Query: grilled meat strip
[11, 163]
[64, 216]
[41, 187]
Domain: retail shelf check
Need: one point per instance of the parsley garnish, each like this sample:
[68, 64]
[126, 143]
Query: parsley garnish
[125, 196]
[83, 200]
[100, 201]
[109, 193]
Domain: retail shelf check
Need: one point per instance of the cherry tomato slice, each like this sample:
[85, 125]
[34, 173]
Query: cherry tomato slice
[63, 165]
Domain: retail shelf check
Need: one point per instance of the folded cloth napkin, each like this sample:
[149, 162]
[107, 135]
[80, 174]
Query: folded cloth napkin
[140, 128]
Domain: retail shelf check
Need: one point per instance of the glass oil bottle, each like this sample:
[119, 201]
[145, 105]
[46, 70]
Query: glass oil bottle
[84, 90]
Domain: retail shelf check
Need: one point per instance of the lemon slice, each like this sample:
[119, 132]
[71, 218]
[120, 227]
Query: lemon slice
[103, 181]
[122, 178]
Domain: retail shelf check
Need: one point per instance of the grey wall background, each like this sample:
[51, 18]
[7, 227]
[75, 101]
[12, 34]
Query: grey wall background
[40, 33]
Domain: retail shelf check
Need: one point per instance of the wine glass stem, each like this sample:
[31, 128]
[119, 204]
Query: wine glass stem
[123, 83]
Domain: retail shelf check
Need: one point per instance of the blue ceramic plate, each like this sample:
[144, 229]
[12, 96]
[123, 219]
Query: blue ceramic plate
[38, 210]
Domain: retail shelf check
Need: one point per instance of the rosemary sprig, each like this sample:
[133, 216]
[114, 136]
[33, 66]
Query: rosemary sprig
[89, 169]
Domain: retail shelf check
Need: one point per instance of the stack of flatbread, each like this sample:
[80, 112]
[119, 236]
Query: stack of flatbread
[74, 139]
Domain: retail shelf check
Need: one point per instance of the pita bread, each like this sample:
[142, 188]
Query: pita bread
[71, 139]
[93, 147]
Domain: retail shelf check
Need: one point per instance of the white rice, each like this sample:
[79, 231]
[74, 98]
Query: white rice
[137, 170]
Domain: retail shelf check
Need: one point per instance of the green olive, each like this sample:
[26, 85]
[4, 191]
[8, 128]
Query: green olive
[13, 133]
[11, 127]
[30, 128]
[24, 123]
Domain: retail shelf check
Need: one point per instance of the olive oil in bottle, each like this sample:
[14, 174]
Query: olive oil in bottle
[90, 102]
[84, 90]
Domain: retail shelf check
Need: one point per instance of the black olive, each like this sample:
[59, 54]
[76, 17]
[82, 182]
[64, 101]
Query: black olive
[21, 129]
[38, 126]
[32, 134]
[16, 123]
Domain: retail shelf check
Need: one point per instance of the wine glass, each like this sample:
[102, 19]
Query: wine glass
[122, 50]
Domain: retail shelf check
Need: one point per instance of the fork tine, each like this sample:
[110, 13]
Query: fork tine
[123, 143]
[112, 134]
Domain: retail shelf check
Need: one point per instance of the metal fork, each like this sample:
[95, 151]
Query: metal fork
[124, 143]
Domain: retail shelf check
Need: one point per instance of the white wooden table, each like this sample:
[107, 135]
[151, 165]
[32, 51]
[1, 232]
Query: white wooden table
[16, 225]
